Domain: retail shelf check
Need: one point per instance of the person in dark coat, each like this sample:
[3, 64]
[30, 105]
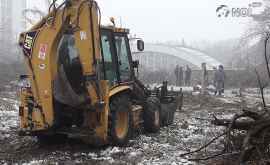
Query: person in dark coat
[219, 79]
[188, 76]
[181, 76]
[204, 78]
[176, 72]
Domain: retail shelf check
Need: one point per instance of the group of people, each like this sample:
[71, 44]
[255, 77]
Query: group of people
[183, 77]
[218, 79]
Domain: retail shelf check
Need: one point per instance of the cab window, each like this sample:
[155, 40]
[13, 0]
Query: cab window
[122, 56]
[109, 66]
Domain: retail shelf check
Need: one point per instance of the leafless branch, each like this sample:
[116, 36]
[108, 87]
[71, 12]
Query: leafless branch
[261, 90]
[204, 146]
[213, 156]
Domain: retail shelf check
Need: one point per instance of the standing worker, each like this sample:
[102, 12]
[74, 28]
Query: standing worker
[204, 80]
[181, 76]
[188, 76]
[220, 80]
[176, 72]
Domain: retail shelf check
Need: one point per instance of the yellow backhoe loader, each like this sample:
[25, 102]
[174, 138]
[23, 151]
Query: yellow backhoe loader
[81, 80]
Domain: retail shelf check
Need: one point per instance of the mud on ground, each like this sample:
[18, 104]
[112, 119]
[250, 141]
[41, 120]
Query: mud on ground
[190, 130]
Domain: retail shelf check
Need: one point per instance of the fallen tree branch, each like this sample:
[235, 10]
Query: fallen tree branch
[248, 146]
[203, 119]
[243, 125]
[204, 146]
[213, 156]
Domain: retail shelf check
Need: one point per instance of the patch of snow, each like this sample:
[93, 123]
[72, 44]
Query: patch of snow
[37, 162]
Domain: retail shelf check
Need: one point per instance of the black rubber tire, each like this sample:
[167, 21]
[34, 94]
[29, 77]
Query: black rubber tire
[150, 120]
[120, 103]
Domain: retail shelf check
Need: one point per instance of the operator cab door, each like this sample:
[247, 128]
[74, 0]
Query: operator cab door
[123, 57]
[109, 57]
[116, 57]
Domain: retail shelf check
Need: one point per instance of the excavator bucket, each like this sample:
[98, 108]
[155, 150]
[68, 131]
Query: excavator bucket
[171, 101]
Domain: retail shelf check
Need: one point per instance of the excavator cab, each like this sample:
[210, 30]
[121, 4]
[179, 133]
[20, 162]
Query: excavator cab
[116, 54]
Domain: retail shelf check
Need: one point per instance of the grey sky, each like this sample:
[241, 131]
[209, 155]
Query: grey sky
[171, 20]
[193, 20]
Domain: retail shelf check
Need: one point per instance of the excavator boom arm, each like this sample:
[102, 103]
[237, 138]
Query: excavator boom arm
[41, 45]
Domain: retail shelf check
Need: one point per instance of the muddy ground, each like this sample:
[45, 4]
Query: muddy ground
[190, 130]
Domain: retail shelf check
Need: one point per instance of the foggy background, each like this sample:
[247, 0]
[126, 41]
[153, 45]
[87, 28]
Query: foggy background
[193, 24]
